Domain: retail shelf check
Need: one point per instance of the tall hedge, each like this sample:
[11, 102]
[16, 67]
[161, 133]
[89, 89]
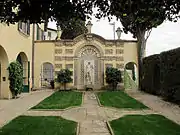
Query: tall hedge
[151, 74]
[161, 75]
[170, 75]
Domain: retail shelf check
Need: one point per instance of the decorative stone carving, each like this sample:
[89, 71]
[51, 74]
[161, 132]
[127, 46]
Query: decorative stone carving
[89, 50]
[69, 51]
[68, 58]
[58, 51]
[108, 65]
[69, 66]
[120, 58]
[108, 51]
[58, 58]
[120, 66]
[119, 51]
[61, 58]
[58, 66]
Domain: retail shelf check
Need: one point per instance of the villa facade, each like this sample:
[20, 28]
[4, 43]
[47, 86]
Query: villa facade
[87, 56]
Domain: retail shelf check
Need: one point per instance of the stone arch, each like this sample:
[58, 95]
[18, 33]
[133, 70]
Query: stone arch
[131, 69]
[4, 83]
[47, 74]
[88, 55]
[23, 60]
[93, 45]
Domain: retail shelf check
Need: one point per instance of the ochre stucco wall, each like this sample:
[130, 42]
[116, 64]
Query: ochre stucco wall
[65, 52]
[13, 42]
[44, 52]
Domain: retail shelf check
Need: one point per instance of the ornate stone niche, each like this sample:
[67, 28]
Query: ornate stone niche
[69, 51]
[108, 51]
[119, 51]
[58, 51]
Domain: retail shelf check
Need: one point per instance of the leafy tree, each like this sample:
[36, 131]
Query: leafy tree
[64, 77]
[73, 28]
[113, 77]
[15, 78]
[139, 17]
[41, 11]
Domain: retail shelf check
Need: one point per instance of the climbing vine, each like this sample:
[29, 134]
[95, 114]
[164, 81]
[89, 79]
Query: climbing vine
[15, 78]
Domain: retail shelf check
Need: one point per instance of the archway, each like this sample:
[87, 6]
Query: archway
[4, 85]
[23, 60]
[88, 68]
[131, 75]
[47, 74]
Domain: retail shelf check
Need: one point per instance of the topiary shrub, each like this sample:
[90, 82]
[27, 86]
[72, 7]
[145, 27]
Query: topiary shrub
[15, 78]
[113, 77]
[64, 77]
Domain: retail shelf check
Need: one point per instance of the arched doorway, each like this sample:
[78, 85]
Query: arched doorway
[23, 60]
[131, 75]
[4, 85]
[88, 68]
[47, 74]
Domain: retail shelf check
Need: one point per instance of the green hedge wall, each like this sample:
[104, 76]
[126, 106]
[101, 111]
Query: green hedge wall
[170, 75]
[161, 75]
[151, 74]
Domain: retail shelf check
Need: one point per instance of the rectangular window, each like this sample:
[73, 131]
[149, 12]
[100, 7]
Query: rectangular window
[24, 27]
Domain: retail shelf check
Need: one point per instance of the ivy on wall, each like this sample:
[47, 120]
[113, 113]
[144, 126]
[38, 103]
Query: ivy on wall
[15, 78]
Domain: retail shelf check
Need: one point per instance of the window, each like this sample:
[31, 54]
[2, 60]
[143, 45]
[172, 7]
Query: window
[24, 27]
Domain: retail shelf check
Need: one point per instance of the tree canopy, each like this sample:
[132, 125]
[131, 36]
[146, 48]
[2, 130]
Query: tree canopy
[37, 11]
[139, 16]
[73, 28]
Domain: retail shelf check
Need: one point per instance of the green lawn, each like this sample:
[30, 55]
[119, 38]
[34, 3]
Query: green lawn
[39, 125]
[144, 125]
[61, 100]
[119, 99]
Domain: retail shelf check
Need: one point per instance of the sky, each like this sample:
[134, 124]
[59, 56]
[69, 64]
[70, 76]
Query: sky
[163, 38]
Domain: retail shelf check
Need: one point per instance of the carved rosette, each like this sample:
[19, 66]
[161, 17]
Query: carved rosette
[89, 51]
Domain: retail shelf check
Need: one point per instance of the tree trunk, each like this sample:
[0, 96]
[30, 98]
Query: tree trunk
[64, 86]
[141, 53]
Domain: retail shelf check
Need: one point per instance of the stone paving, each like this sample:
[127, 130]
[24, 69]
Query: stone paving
[90, 116]
[9, 109]
[169, 110]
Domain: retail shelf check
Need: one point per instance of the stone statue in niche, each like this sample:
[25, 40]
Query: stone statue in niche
[88, 75]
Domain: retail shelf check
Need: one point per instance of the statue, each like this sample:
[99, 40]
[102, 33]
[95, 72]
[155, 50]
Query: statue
[88, 75]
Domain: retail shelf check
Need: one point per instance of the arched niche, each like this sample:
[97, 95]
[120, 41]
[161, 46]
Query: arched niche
[47, 74]
[23, 60]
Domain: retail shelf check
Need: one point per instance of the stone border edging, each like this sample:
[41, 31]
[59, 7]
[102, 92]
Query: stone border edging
[71, 107]
[109, 128]
[78, 129]
[99, 103]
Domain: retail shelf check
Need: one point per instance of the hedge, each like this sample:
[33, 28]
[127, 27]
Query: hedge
[151, 74]
[161, 75]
